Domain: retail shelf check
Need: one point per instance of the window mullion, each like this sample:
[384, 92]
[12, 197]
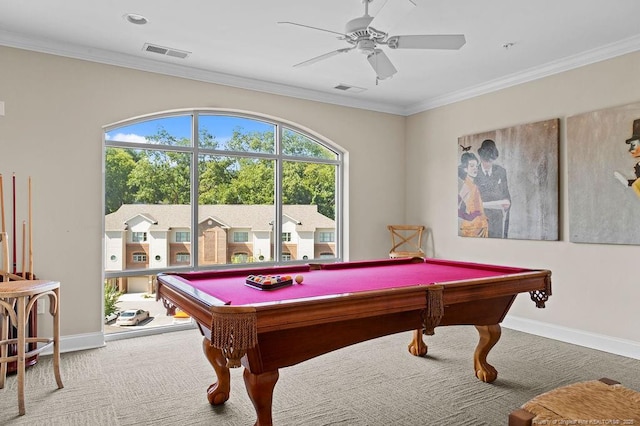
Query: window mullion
[277, 225]
[195, 183]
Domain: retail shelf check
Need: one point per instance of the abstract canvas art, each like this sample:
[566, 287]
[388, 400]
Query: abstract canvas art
[603, 165]
[508, 182]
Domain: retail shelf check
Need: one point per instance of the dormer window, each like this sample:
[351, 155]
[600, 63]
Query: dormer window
[139, 237]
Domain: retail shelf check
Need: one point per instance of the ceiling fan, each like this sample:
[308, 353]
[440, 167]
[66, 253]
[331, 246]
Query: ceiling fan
[361, 36]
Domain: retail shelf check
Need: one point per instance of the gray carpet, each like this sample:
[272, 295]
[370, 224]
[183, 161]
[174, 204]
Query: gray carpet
[162, 380]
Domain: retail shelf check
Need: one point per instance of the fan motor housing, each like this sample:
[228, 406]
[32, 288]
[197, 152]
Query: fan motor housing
[357, 28]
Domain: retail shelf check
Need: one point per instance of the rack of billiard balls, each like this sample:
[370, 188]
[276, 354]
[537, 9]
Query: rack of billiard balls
[272, 282]
[269, 282]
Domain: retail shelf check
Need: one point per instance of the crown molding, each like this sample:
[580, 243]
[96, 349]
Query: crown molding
[609, 51]
[629, 45]
[107, 57]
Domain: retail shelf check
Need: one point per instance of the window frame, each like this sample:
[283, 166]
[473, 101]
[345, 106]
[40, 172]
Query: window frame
[139, 257]
[135, 237]
[185, 233]
[183, 254]
[237, 234]
[195, 151]
[326, 237]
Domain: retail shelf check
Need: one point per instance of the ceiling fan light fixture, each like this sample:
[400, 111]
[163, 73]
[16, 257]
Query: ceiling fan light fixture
[366, 46]
[381, 64]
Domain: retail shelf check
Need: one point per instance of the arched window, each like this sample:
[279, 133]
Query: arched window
[212, 176]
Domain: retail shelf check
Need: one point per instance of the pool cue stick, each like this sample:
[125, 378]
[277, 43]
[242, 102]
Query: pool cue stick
[4, 241]
[14, 225]
[24, 245]
[2, 203]
[5, 256]
[30, 232]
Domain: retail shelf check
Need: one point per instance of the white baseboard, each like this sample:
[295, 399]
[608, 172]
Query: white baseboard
[78, 342]
[149, 331]
[600, 342]
[81, 342]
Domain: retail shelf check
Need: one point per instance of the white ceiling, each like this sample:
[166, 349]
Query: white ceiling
[240, 43]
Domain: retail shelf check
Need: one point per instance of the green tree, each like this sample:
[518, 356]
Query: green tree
[111, 296]
[296, 144]
[162, 177]
[310, 183]
[216, 177]
[156, 176]
[254, 183]
[119, 164]
[251, 141]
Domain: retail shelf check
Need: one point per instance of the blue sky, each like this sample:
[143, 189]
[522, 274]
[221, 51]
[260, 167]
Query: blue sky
[180, 126]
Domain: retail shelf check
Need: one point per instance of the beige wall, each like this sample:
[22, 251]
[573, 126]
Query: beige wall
[55, 108]
[52, 131]
[596, 288]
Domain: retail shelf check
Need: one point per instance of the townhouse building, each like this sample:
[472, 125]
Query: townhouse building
[154, 236]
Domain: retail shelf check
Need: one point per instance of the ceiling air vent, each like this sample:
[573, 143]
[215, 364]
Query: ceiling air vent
[347, 88]
[154, 48]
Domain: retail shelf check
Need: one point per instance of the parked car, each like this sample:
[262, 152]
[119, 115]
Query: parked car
[111, 317]
[132, 317]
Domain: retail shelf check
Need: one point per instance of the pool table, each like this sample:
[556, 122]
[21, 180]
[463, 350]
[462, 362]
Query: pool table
[337, 305]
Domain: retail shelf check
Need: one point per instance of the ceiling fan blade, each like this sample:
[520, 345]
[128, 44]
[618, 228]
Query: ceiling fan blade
[390, 13]
[437, 41]
[313, 28]
[381, 64]
[323, 57]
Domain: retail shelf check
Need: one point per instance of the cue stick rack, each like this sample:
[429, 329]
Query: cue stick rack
[9, 270]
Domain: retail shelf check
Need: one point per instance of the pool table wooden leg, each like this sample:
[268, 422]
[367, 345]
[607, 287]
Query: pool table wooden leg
[260, 390]
[489, 336]
[417, 347]
[218, 392]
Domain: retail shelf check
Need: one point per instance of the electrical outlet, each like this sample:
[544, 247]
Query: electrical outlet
[40, 304]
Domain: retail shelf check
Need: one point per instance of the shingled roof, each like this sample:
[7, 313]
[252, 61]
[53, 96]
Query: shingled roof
[254, 217]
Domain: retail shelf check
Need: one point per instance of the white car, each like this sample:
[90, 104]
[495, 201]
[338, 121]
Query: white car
[132, 317]
[111, 317]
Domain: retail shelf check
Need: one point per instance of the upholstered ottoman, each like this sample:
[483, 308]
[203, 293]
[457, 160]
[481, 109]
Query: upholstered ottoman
[596, 402]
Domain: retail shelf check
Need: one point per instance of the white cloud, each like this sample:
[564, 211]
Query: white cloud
[131, 137]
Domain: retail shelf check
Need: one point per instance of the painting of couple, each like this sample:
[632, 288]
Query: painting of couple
[508, 183]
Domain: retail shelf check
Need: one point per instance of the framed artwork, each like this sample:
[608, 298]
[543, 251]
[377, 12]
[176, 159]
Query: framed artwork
[508, 182]
[603, 165]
